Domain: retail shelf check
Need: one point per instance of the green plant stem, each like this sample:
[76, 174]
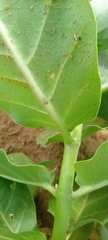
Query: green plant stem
[64, 190]
[34, 86]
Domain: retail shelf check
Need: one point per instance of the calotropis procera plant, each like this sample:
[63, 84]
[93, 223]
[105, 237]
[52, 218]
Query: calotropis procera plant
[49, 77]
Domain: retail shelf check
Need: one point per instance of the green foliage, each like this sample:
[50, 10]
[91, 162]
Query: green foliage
[82, 233]
[91, 207]
[87, 172]
[34, 235]
[101, 12]
[17, 210]
[59, 43]
[25, 173]
[86, 209]
[103, 60]
[49, 77]
[103, 230]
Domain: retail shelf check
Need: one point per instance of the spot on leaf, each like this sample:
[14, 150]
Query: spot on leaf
[7, 7]
[7, 56]
[70, 103]
[24, 86]
[52, 76]
[11, 215]
[45, 101]
[75, 37]
[1, 77]
[31, 7]
[53, 31]
[13, 185]
[48, 5]
[86, 86]
[73, 45]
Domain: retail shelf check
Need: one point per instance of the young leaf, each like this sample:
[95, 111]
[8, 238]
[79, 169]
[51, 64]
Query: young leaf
[89, 177]
[17, 209]
[49, 135]
[32, 174]
[60, 51]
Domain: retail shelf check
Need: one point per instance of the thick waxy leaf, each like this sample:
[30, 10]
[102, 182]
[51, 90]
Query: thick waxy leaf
[57, 40]
[94, 126]
[17, 210]
[101, 11]
[89, 175]
[22, 159]
[103, 110]
[92, 207]
[103, 231]
[19, 159]
[82, 233]
[89, 130]
[32, 174]
[18, 100]
[34, 235]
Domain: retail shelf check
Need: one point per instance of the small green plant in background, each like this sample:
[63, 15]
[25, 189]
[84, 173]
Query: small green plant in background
[49, 77]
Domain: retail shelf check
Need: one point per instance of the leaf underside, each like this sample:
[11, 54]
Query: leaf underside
[58, 43]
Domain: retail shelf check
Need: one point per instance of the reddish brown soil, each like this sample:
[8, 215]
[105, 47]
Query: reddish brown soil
[15, 138]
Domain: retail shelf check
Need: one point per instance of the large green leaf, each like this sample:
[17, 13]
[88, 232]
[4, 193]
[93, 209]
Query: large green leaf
[92, 207]
[103, 231]
[33, 235]
[22, 159]
[82, 233]
[91, 127]
[57, 40]
[17, 210]
[101, 11]
[90, 177]
[89, 130]
[33, 174]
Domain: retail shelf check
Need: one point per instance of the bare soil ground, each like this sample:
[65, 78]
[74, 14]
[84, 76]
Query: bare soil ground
[15, 138]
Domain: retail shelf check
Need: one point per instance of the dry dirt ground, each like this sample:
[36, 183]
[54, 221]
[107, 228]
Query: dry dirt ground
[15, 138]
